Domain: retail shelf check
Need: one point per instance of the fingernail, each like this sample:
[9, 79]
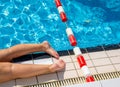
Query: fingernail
[57, 55]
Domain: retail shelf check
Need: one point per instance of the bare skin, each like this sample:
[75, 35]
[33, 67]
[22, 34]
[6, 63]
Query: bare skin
[22, 49]
[9, 71]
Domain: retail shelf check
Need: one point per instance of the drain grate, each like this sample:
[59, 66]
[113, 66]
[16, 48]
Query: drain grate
[78, 80]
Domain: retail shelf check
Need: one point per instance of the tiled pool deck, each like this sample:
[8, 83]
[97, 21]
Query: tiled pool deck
[101, 59]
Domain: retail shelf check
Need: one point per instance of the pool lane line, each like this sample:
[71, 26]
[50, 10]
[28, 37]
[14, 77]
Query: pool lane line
[73, 42]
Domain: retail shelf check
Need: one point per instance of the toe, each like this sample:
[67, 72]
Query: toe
[60, 64]
[48, 49]
[52, 52]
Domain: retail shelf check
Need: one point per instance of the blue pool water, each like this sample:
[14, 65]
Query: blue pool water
[94, 22]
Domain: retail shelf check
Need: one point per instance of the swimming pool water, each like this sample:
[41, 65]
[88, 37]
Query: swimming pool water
[94, 22]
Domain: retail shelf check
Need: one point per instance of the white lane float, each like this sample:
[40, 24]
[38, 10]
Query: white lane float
[79, 56]
[71, 37]
[73, 42]
[83, 65]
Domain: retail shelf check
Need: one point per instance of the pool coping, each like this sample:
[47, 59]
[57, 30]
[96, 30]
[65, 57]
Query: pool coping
[91, 54]
[68, 52]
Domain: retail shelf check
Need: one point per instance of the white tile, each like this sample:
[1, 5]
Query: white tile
[43, 61]
[67, 74]
[74, 58]
[86, 56]
[117, 66]
[113, 52]
[47, 78]
[69, 66]
[95, 55]
[93, 71]
[8, 84]
[105, 69]
[77, 66]
[66, 58]
[26, 81]
[115, 59]
[26, 62]
[99, 62]
[54, 60]
[89, 63]
[80, 73]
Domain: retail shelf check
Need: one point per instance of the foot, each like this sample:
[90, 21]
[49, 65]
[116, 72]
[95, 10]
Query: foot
[48, 49]
[60, 64]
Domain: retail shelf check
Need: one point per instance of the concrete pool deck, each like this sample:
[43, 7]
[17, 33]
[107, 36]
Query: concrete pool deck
[101, 59]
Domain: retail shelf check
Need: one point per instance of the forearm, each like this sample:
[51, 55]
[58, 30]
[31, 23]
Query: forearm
[19, 50]
[9, 71]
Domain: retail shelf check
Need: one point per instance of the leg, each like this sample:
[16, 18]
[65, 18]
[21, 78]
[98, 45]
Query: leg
[14, 71]
[22, 49]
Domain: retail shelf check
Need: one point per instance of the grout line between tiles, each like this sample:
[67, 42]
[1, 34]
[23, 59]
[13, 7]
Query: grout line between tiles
[94, 66]
[109, 59]
[92, 61]
[35, 76]
[73, 64]
[101, 65]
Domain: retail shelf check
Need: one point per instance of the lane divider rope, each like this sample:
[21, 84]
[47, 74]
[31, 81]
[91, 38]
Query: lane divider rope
[81, 60]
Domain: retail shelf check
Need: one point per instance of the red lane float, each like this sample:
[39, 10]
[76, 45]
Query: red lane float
[73, 42]
[90, 79]
[80, 58]
[81, 61]
[63, 17]
[71, 37]
[58, 3]
[61, 10]
[83, 65]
